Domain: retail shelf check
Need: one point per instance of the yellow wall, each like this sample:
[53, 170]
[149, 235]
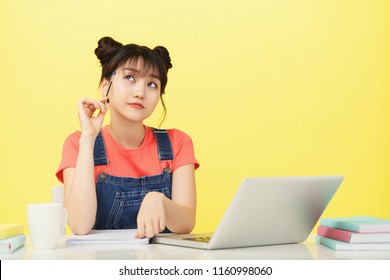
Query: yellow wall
[264, 87]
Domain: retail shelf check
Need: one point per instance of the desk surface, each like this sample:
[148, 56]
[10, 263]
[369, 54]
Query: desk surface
[307, 250]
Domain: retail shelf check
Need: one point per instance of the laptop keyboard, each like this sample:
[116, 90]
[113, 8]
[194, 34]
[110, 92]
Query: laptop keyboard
[199, 239]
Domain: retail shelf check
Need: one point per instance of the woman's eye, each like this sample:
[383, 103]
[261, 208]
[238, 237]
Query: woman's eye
[152, 84]
[130, 78]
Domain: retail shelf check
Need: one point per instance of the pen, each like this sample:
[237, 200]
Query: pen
[109, 88]
[110, 85]
[108, 91]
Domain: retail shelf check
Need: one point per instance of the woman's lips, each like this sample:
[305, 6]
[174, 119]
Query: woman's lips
[137, 105]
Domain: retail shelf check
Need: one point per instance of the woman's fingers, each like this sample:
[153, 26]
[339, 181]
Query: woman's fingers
[151, 216]
[91, 124]
[104, 99]
[91, 105]
[149, 228]
[103, 106]
[149, 232]
[142, 231]
[161, 224]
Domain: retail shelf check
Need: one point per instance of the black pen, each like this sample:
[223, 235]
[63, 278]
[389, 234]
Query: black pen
[113, 73]
[109, 88]
[108, 91]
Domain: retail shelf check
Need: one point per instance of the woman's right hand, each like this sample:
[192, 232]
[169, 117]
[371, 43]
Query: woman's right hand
[91, 125]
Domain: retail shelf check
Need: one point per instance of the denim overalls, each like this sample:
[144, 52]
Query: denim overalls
[119, 198]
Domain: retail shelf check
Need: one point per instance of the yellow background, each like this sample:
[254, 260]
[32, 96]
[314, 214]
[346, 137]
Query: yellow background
[264, 87]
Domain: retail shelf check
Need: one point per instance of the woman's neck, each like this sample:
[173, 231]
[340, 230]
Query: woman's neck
[130, 136]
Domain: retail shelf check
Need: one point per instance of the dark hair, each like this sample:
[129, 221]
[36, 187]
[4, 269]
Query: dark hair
[113, 55]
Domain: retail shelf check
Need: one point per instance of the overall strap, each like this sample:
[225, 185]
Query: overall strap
[164, 147]
[99, 151]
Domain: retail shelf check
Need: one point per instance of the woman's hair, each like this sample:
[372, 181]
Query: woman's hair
[113, 55]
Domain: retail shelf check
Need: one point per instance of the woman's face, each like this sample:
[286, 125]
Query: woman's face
[134, 92]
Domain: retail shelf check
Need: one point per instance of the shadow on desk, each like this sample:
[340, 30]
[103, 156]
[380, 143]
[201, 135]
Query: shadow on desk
[304, 251]
[276, 252]
[161, 252]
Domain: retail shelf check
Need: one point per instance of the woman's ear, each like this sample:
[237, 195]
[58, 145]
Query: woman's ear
[103, 87]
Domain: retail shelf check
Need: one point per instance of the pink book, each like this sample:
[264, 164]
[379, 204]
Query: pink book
[353, 237]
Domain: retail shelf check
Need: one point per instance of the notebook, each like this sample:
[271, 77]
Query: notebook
[115, 236]
[266, 211]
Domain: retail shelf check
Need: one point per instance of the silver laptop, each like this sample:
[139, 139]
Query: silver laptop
[266, 211]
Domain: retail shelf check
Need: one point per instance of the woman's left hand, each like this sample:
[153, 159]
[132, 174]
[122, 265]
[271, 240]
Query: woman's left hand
[151, 215]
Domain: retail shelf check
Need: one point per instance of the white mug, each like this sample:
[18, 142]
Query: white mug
[46, 224]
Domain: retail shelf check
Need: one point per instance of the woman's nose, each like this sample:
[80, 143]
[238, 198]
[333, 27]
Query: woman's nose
[139, 91]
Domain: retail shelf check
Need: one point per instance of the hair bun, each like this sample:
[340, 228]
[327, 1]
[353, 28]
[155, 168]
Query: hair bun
[106, 48]
[164, 54]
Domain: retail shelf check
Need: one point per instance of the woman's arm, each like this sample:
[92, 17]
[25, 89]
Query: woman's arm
[178, 214]
[80, 192]
[79, 182]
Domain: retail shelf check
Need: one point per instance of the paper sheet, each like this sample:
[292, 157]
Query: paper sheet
[118, 236]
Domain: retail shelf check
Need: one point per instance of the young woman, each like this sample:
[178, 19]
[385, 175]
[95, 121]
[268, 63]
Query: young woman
[125, 174]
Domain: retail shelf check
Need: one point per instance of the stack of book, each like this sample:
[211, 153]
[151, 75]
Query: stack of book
[361, 233]
[11, 237]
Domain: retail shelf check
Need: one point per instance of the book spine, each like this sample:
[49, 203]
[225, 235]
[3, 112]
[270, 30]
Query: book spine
[342, 246]
[334, 233]
[13, 243]
[339, 225]
[325, 241]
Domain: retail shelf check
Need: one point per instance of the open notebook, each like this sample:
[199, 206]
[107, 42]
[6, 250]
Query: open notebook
[117, 236]
[266, 211]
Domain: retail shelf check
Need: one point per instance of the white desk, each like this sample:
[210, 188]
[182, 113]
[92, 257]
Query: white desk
[307, 250]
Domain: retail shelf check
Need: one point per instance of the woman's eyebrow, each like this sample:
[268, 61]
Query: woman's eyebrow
[139, 72]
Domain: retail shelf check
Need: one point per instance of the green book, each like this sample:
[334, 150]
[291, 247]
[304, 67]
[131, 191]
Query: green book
[344, 246]
[11, 244]
[365, 224]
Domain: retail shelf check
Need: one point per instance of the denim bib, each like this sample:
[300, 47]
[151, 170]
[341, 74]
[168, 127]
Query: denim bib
[119, 198]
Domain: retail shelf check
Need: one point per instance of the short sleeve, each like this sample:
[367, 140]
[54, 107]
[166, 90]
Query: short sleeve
[70, 151]
[183, 149]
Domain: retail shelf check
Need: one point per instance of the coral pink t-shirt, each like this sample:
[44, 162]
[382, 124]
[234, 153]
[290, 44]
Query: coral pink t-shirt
[139, 162]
